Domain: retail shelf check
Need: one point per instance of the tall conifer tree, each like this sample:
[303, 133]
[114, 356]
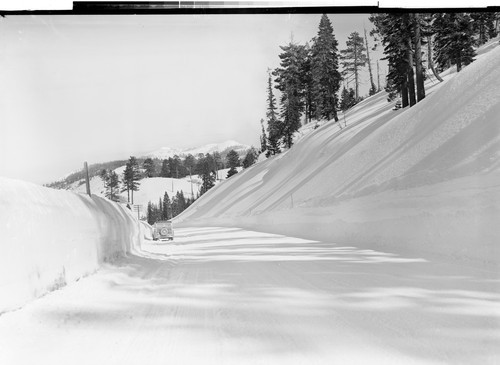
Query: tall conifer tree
[454, 40]
[289, 82]
[167, 207]
[324, 69]
[273, 125]
[353, 58]
[131, 177]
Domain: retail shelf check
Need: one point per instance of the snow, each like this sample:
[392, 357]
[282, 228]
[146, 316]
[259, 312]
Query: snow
[230, 296]
[151, 189]
[51, 237]
[422, 179]
[376, 243]
[166, 152]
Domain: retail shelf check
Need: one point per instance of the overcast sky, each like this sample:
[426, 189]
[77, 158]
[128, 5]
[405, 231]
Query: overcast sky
[98, 88]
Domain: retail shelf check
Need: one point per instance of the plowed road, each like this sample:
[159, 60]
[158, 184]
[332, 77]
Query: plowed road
[229, 296]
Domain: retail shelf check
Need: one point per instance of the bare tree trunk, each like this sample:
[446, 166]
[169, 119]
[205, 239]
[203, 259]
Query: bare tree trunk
[409, 66]
[404, 94]
[378, 77]
[429, 59]
[410, 77]
[372, 85]
[419, 70]
[356, 71]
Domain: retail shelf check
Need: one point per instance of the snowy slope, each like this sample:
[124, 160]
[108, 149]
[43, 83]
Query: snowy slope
[425, 178]
[52, 237]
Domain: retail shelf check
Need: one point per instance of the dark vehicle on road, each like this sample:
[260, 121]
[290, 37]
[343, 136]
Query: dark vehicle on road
[163, 230]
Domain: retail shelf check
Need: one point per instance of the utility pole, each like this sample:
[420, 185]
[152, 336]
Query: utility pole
[191, 181]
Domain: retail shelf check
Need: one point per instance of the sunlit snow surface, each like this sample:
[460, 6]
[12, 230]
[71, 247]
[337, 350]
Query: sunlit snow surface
[230, 296]
[425, 178]
[397, 260]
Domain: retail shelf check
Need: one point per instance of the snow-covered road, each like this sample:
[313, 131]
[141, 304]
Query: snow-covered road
[229, 296]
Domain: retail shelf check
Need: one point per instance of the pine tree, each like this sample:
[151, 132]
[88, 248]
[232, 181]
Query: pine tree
[149, 166]
[190, 163]
[250, 158]
[273, 124]
[483, 25]
[165, 170]
[354, 58]
[175, 166]
[149, 214]
[263, 137]
[308, 84]
[175, 206]
[233, 161]
[427, 32]
[181, 202]
[207, 174]
[125, 181]
[111, 184]
[454, 40]
[232, 171]
[288, 81]
[114, 186]
[386, 27]
[324, 69]
[172, 167]
[217, 159]
[104, 176]
[348, 99]
[397, 36]
[167, 207]
[131, 177]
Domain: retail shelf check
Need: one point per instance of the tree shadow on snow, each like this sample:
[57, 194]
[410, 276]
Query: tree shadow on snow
[279, 296]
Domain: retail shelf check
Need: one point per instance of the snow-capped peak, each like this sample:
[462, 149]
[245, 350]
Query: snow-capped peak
[166, 152]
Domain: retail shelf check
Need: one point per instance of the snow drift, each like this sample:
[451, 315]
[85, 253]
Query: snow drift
[425, 178]
[51, 237]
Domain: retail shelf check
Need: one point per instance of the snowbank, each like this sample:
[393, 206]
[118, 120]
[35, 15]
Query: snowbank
[51, 237]
[425, 178]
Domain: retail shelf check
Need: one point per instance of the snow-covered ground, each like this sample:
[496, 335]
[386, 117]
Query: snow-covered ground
[422, 179]
[230, 296]
[49, 238]
[384, 251]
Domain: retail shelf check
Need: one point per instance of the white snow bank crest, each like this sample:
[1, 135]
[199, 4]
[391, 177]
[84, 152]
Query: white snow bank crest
[51, 237]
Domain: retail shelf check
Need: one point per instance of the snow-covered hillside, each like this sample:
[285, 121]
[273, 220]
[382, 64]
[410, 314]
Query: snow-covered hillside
[425, 178]
[166, 152]
[53, 237]
[151, 189]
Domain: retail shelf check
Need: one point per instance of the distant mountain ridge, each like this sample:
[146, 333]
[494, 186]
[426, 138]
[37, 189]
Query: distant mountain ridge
[166, 152]
[162, 153]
